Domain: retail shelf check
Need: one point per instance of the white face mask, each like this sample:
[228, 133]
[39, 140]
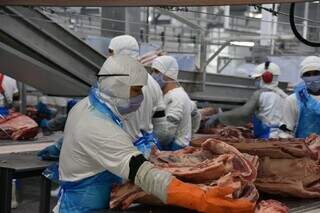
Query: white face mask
[125, 106]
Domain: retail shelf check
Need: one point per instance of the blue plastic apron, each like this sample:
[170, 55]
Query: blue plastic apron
[261, 130]
[172, 146]
[145, 143]
[92, 193]
[4, 111]
[308, 113]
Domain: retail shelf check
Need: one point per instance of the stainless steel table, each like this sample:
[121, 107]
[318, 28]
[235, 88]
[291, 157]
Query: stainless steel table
[22, 165]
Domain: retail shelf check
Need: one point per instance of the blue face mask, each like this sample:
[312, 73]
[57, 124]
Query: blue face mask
[159, 78]
[313, 84]
[131, 105]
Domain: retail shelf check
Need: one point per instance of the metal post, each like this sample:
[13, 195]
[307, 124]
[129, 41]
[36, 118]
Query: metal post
[203, 67]
[45, 195]
[23, 97]
[305, 22]
[6, 189]
[274, 30]
[203, 58]
[147, 26]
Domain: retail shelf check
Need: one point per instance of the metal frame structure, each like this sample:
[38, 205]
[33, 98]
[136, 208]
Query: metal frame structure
[138, 3]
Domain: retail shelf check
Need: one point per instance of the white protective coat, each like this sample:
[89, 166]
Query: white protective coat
[142, 118]
[10, 88]
[94, 143]
[270, 102]
[153, 98]
[290, 108]
[179, 107]
[291, 113]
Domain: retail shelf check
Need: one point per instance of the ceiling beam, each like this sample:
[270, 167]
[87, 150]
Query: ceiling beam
[138, 3]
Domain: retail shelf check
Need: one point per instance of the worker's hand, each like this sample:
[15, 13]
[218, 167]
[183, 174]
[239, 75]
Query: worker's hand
[44, 124]
[212, 122]
[192, 196]
[51, 152]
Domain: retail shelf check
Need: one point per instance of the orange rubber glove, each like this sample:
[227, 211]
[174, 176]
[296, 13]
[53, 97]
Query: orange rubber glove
[193, 197]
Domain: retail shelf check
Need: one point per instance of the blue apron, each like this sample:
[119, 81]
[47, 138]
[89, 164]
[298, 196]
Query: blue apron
[260, 129]
[145, 143]
[172, 146]
[4, 111]
[91, 193]
[308, 113]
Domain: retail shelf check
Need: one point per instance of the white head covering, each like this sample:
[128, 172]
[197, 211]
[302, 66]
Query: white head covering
[125, 45]
[123, 72]
[275, 70]
[310, 63]
[167, 65]
[260, 69]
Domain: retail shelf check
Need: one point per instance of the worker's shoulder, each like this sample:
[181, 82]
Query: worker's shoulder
[90, 118]
[152, 89]
[292, 98]
[178, 94]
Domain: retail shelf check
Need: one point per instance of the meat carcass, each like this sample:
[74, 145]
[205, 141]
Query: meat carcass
[286, 166]
[17, 126]
[273, 148]
[214, 164]
[228, 132]
[271, 206]
[313, 142]
[298, 177]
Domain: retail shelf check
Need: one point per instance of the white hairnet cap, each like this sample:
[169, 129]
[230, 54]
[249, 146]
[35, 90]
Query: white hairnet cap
[121, 72]
[310, 63]
[125, 45]
[260, 69]
[167, 65]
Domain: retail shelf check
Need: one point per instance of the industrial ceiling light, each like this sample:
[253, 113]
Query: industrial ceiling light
[254, 15]
[242, 43]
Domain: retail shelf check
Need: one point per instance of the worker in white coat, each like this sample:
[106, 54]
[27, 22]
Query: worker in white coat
[8, 93]
[301, 111]
[97, 152]
[138, 124]
[264, 108]
[175, 130]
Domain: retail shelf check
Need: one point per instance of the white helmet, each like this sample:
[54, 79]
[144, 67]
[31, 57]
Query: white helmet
[267, 66]
[119, 73]
[125, 45]
[310, 63]
[167, 65]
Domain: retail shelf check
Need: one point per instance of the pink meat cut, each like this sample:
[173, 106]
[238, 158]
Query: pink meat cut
[288, 167]
[17, 126]
[271, 206]
[213, 164]
[228, 132]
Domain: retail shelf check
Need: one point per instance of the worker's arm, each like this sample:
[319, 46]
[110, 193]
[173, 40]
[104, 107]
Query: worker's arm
[195, 118]
[116, 154]
[51, 152]
[290, 116]
[165, 128]
[56, 124]
[239, 116]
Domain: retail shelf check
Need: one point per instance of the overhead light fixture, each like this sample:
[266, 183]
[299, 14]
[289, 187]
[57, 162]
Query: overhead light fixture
[254, 15]
[242, 43]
